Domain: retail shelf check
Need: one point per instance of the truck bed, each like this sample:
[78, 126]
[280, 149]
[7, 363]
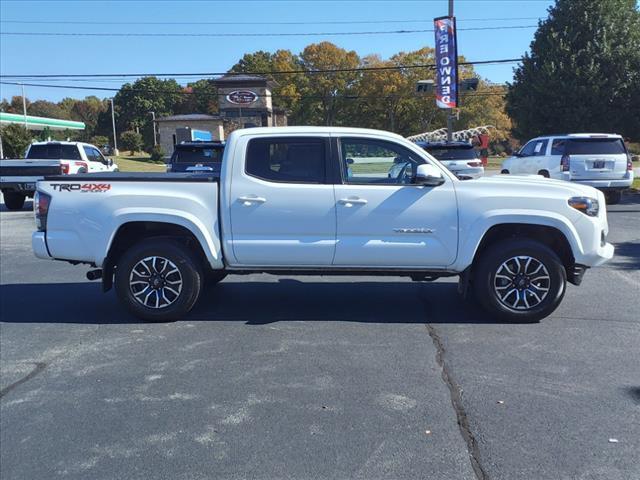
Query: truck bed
[137, 177]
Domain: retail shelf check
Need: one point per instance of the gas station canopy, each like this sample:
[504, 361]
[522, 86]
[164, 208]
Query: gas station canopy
[40, 123]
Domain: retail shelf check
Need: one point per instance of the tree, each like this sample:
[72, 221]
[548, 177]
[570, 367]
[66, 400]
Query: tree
[583, 72]
[287, 86]
[15, 140]
[135, 102]
[199, 97]
[326, 92]
[132, 141]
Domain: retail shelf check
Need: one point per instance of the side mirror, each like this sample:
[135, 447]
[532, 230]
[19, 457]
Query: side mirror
[428, 175]
[110, 162]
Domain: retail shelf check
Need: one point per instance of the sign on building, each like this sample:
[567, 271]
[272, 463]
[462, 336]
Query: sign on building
[446, 62]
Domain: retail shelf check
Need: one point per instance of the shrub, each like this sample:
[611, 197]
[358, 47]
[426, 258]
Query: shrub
[15, 140]
[157, 153]
[131, 140]
[99, 140]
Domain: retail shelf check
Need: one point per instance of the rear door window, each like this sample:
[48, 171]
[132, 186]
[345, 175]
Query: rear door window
[290, 160]
[597, 146]
[557, 146]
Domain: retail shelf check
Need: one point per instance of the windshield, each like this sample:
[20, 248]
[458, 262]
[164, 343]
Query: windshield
[453, 153]
[198, 155]
[601, 146]
[54, 151]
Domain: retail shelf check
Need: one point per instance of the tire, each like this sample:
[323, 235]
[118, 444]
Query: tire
[613, 197]
[490, 277]
[544, 173]
[504, 172]
[14, 200]
[142, 299]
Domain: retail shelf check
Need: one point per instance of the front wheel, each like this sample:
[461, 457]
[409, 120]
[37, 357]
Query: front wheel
[13, 200]
[158, 280]
[504, 172]
[519, 280]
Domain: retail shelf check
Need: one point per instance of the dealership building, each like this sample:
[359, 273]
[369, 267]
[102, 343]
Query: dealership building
[243, 101]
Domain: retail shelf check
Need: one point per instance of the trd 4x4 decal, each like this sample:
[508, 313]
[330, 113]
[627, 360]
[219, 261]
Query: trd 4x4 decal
[82, 187]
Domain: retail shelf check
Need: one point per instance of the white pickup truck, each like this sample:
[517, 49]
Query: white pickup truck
[18, 177]
[288, 201]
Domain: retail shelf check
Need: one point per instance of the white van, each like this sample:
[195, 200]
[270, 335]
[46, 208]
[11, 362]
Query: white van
[599, 160]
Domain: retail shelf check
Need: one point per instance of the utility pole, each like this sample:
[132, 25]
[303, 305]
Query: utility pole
[153, 120]
[449, 113]
[113, 123]
[24, 106]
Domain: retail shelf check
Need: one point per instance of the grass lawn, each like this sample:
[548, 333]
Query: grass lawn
[636, 183]
[138, 162]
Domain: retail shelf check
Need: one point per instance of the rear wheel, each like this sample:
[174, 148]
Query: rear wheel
[13, 200]
[158, 280]
[544, 173]
[519, 280]
[504, 172]
[613, 197]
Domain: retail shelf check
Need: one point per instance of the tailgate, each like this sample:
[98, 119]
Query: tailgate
[598, 167]
[28, 168]
[597, 158]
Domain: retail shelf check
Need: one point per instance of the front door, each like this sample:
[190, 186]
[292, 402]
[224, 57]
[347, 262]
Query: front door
[282, 209]
[384, 220]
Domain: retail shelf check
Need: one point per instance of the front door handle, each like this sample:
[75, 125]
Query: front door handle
[248, 200]
[349, 202]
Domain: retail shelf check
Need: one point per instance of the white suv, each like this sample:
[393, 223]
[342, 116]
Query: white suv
[594, 159]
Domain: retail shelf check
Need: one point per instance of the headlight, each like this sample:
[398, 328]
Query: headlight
[588, 206]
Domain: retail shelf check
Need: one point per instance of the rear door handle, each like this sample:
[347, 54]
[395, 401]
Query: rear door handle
[349, 202]
[248, 200]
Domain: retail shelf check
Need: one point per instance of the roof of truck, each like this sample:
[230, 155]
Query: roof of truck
[312, 129]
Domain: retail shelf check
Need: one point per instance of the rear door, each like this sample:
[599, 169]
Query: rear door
[282, 209]
[596, 158]
[385, 220]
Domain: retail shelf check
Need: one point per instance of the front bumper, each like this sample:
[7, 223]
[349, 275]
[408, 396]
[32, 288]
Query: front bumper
[39, 245]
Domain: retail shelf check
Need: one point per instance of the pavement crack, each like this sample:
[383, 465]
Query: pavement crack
[456, 401]
[39, 367]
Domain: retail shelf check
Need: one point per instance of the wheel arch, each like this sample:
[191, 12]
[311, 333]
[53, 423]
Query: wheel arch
[181, 229]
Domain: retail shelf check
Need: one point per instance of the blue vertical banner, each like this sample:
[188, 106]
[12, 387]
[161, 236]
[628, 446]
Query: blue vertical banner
[446, 62]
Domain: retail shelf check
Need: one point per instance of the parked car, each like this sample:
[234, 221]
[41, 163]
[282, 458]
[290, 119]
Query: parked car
[284, 203]
[459, 157]
[196, 156]
[594, 159]
[18, 177]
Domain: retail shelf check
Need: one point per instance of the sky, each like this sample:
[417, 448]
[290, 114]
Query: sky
[91, 55]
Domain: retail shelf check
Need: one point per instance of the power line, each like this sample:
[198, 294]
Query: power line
[321, 22]
[265, 72]
[253, 34]
[208, 94]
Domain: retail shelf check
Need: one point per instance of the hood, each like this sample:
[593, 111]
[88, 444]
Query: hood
[533, 183]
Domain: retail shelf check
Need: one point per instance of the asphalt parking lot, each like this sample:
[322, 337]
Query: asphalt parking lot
[318, 377]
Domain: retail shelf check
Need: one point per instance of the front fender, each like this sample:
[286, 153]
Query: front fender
[472, 236]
